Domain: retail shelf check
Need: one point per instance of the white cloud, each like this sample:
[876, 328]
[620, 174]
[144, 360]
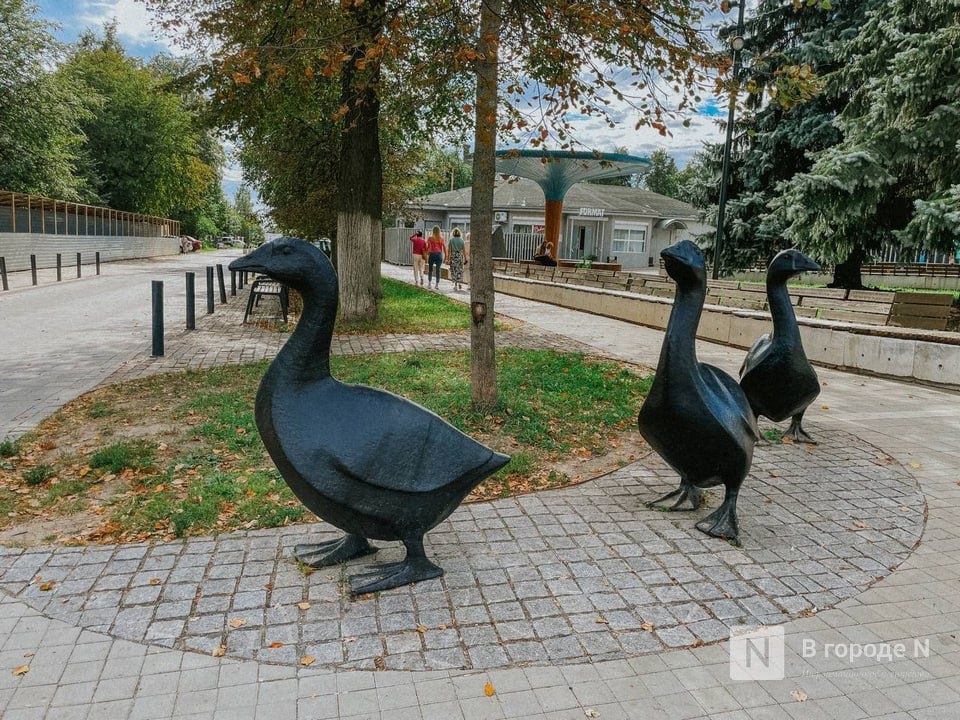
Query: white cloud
[133, 21]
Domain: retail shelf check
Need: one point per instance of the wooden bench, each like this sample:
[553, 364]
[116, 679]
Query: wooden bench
[263, 286]
[927, 311]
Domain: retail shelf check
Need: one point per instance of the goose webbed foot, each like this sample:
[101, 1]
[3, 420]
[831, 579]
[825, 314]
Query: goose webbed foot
[686, 492]
[796, 432]
[722, 522]
[333, 552]
[413, 568]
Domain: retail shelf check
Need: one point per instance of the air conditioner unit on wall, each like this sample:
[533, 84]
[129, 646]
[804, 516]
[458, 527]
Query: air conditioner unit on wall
[500, 216]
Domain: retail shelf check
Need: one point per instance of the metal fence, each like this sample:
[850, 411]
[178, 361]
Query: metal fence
[396, 245]
[522, 246]
[893, 254]
[37, 215]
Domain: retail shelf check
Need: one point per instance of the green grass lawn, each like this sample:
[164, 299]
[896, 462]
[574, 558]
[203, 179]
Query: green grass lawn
[408, 309]
[181, 454]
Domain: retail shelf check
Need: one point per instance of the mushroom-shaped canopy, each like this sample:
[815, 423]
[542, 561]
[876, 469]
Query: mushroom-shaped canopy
[556, 171]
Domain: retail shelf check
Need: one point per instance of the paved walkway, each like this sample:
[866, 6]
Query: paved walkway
[863, 422]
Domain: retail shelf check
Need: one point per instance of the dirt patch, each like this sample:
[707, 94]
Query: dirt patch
[175, 455]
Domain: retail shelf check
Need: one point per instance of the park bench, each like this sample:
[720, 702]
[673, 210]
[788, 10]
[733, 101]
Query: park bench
[262, 287]
[927, 311]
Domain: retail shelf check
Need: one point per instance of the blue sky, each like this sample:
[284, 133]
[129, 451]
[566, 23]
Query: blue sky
[140, 39]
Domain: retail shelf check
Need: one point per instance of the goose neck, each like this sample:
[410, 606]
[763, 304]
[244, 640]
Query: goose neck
[679, 346]
[784, 317]
[306, 355]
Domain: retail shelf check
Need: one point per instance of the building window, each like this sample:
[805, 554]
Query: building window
[629, 240]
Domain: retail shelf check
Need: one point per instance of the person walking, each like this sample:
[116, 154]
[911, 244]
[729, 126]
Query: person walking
[458, 258]
[419, 249]
[437, 250]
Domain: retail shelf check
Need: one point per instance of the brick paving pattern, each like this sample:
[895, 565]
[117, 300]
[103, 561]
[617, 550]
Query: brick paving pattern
[587, 573]
[855, 514]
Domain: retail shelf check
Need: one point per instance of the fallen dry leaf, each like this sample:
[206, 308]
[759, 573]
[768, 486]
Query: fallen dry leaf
[45, 587]
[379, 663]
[647, 626]
[602, 621]
[799, 695]
[422, 628]
[275, 645]
[303, 605]
[489, 690]
[860, 524]
[22, 670]
[591, 713]
[219, 651]
[237, 623]
[154, 581]
[307, 660]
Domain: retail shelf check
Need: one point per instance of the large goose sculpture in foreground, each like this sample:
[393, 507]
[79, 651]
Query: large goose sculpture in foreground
[695, 415]
[776, 376]
[369, 462]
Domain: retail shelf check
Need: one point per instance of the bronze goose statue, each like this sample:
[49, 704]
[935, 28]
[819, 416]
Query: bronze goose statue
[695, 415]
[369, 462]
[776, 376]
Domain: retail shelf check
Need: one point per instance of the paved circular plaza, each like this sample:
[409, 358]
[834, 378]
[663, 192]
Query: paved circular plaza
[580, 574]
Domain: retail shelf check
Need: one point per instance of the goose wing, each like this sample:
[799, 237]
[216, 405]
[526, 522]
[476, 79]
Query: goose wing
[376, 437]
[730, 405]
[756, 354]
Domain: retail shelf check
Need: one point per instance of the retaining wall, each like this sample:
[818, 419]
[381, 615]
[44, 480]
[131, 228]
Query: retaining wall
[16, 248]
[925, 355]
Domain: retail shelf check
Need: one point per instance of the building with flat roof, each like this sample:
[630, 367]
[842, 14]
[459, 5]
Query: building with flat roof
[598, 221]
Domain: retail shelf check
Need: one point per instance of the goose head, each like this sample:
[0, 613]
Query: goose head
[788, 263]
[295, 263]
[684, 263]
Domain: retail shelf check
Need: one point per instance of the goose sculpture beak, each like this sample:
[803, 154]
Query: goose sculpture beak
[255, 261]
[804, 264]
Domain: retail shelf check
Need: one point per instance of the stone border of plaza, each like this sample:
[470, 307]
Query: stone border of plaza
[580, 574]
[923, 355]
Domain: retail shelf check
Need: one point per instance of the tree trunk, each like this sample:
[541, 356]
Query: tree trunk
[360, 210]
[483, 361]
[847, 274]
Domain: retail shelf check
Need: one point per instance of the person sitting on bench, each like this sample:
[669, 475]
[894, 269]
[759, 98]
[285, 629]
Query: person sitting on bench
[544, 255]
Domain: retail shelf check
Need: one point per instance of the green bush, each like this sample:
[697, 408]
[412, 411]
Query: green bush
[9, 447]
[133, 454]
[37, 475]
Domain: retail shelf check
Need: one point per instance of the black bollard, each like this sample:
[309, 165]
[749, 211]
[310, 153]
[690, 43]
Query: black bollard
[33, 268]
[98, 262]
[223, 289]
[3, 273]
[78, 264]
[191, 302]
[59, 267]
[209, 290]
[157, 318]
[233, 283]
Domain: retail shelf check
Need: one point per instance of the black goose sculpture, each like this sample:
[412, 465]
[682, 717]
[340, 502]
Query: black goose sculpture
[695, 415]
[369, 462]
[776, 376]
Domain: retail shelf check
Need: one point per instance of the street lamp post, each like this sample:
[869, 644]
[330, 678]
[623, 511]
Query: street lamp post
[736, 45]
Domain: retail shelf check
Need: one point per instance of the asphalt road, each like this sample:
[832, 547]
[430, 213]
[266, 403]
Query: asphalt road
[59, 340]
